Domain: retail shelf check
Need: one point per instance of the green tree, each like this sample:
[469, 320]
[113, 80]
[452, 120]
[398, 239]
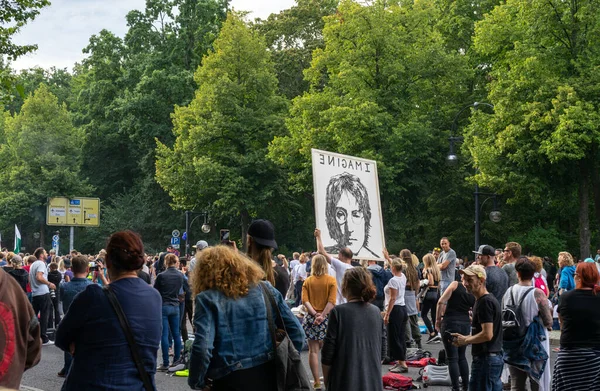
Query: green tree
[542, 142]
[292, 35]
[384, 87]
[14, 14]
[219, 159]
[41, 158]
[57, 80]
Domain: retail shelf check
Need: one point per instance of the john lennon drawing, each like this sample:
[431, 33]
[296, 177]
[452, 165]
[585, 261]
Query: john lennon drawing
[347, 205]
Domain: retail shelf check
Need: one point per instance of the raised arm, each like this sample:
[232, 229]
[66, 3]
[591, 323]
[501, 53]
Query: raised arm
[320, 247]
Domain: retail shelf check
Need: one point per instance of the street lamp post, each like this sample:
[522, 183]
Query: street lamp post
[452, 157]
[188, 224]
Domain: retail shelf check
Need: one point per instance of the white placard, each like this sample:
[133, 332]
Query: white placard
[347, 205]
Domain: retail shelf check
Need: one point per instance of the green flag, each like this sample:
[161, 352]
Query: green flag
[17, 240]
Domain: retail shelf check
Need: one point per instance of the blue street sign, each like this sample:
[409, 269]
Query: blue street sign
[175, 241]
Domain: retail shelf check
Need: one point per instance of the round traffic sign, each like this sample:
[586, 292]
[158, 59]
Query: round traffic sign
[55, 238]
[175, 233]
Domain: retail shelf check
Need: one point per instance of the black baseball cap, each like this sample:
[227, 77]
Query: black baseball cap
[484, 249]
[263, 233]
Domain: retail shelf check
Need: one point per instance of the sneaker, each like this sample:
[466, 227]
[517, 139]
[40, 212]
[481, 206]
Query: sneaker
[184, 373]
[62, 373]
[48, 343]
[162, 368]
[398, 369]
[177, 366]
[435, 339]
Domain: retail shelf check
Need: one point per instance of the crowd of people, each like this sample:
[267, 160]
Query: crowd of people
[112, 312]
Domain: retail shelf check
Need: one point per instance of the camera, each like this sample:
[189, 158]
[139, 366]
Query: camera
[93, 266]
[224, 236]
[448, 337]
[52, 293]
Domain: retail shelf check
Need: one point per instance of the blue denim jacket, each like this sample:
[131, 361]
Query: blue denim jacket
[70, 289]
[233, 334]
[528, 354]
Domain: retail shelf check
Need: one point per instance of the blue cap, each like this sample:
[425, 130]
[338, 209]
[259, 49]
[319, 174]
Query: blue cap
[589, 260]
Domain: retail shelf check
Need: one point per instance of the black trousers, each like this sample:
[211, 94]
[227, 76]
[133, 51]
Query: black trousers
[429, 304]
[54, 313]
[397, 333]
[42, 306]
[298, 292]
[189, 313]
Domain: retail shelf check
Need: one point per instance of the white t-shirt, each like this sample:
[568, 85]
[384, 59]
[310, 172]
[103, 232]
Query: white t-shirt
[340, 268]
[331, 271]
[37, 288]
[398, 283]
[293, 264]
[299, 272]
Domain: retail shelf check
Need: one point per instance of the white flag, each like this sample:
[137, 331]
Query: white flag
[17, 240]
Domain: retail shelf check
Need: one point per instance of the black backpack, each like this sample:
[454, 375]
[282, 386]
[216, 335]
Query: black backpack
[513, 325]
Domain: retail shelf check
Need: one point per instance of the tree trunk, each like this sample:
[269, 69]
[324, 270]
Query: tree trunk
[584, 211]
[245, 225]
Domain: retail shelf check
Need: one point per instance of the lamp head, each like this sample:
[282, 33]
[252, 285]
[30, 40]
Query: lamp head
[205, 228]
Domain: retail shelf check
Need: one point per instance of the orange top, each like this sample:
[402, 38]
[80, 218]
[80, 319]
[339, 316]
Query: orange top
[318, 291]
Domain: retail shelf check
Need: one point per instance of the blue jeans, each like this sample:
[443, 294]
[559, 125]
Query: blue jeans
[68, 361]
[170, 318]
[485, 373]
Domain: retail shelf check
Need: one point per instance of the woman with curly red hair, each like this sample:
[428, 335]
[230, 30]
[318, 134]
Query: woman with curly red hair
[578, 361]
[233, 345]
[353, 347]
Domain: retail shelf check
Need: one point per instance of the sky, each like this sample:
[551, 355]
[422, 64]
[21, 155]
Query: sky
[63, 29]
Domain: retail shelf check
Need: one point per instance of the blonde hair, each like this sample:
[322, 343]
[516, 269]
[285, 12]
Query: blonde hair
[223, 269]
[171, 259]
[412, 276]
[431, 264]
[565, 259]
[397, 266]
[61, 265]
[415, 260]
[319, 266]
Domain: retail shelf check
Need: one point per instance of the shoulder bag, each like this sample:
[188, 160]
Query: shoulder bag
[291, 375]
[135, 352]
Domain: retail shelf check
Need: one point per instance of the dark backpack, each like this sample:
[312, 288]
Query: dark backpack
[513, 325]
[380, 282]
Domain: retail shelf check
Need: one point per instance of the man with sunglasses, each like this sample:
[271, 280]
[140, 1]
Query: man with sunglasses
[512, 252]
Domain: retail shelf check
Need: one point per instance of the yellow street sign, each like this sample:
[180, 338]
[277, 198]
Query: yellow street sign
[77, 212]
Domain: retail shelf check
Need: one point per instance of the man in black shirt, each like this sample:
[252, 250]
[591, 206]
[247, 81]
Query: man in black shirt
[486, 333]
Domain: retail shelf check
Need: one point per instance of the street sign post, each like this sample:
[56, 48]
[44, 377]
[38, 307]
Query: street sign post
[73, 212]
[176, 242]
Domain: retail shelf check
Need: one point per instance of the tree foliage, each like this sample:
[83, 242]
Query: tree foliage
[543, 59]
[218, 159]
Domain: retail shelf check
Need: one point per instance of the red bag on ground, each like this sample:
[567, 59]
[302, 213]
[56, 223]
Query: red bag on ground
[422, 363]
[396, 381]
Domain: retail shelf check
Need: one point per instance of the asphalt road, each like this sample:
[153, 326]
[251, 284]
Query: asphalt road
[44, 375]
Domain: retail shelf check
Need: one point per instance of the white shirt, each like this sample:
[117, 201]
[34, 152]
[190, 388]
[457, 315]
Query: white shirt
[293, 264]
[37, 288]
[398, 283]
[299, 272]
[331, 271]
[339, 268]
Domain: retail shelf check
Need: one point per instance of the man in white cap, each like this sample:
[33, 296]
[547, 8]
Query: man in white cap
[486, 336]
[200, 245]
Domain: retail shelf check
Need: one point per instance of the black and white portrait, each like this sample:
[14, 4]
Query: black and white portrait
[347, 204]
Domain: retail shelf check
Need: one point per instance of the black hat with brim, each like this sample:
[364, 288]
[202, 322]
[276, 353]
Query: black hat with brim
[263, 233]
